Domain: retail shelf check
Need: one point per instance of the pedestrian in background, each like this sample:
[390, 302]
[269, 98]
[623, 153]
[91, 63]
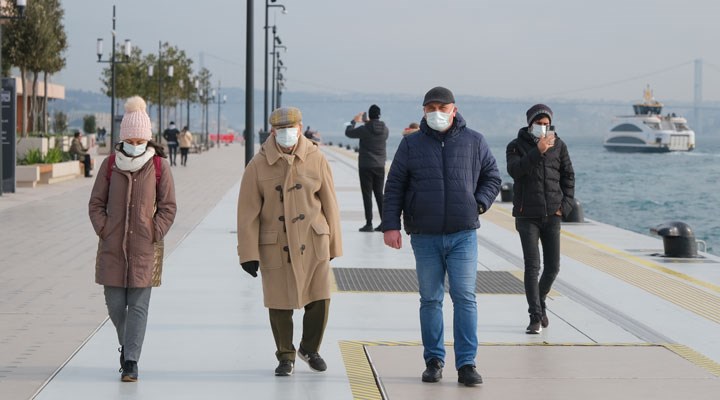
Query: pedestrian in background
[170, 136]
[132, 207]
[288, 228]
[543, 191]
[412, 128]
[79, 152]
[185, 139]
[373, 135]
[441, 179]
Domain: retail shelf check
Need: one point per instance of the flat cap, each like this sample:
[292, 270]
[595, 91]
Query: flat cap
[439, 94]
[285, 116]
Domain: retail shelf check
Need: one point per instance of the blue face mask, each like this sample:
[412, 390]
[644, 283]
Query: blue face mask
[134, 151]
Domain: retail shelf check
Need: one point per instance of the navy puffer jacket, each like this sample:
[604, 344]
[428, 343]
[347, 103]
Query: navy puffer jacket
[544, 183]
[440, 182]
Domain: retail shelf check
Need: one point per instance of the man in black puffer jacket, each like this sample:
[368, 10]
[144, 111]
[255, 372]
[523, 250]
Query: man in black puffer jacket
[543, 191]
[441, 179]
[373, 135]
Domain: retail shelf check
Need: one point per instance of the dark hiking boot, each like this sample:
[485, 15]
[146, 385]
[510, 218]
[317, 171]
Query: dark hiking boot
[433, 370]
[129, 371]
[468, 375]
[314, 360]
[535, 326]
[285, 368]
[366, 228]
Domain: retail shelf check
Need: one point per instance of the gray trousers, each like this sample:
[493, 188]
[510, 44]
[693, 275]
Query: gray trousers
[128, 310]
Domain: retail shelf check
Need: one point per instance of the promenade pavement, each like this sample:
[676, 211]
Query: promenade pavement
[49, 302]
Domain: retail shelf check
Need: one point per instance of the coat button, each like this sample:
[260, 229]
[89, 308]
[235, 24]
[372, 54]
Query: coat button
[286, 248]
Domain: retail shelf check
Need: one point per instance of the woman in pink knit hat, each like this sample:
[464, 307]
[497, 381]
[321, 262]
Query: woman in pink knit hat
[132, 207]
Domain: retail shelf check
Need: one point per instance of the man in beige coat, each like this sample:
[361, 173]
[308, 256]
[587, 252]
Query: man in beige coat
[288, 227]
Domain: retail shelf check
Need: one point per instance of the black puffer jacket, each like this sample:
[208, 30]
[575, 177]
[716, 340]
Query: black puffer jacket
[440, 182]
[544, 183]
[373, 137]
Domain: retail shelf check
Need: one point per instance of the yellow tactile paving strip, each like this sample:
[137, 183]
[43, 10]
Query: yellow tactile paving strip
[364, 385]
[677, 288]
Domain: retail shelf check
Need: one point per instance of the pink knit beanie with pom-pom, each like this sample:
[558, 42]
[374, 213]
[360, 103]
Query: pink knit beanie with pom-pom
[135, 123]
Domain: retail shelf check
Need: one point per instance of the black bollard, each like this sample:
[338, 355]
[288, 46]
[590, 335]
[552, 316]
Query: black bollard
[576, 215]
[678, 239]
[506, 192]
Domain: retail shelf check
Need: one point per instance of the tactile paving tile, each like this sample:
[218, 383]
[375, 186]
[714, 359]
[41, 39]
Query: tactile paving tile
[405, 280]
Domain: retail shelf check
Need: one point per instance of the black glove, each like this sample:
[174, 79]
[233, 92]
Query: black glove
[251, 267]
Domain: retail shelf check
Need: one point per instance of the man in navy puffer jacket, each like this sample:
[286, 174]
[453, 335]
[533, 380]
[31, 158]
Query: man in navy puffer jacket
[441, 179]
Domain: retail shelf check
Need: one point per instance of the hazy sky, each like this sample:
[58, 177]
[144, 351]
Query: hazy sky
[502, 48]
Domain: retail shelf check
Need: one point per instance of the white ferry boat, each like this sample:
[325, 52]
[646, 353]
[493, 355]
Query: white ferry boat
[649, 131]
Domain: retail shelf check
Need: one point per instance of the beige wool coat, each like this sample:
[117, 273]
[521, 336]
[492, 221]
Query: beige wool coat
[288, 220]
[130, 223]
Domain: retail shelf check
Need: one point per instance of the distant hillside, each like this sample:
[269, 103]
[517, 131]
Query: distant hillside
[328, 113]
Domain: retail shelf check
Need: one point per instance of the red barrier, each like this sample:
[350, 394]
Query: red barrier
[224, 137]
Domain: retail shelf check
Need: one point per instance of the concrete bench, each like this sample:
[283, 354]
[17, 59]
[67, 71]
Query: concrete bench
[59, 172]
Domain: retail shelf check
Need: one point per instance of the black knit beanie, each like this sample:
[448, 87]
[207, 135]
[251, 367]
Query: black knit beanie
[374, 112]
[537, 110]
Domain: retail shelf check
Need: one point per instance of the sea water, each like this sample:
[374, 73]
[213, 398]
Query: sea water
[635, 191]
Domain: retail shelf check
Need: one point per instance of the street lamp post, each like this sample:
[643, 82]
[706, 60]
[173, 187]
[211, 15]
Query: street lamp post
[112, 61]
[20, 4]
[277, 44]
[267, 8]
[209, 99]
[161, 78]
[220, 100]
[278, 83]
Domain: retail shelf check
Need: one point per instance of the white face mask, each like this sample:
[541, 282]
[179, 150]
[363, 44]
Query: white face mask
[286, 137]
[438, 120]
[538, 130]
[134, 151]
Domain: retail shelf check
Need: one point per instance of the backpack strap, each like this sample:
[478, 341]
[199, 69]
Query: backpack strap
[111, 162]
[157, 160]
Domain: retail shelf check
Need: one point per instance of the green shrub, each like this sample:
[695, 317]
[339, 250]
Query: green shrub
[33, 156]
[54, 155]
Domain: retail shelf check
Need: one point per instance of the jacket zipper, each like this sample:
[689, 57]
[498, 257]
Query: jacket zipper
[442, 157]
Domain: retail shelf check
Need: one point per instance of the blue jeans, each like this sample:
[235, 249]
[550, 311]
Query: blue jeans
[546, 231]
[456, 255]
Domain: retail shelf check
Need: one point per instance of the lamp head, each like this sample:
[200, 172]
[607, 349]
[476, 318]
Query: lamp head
[99, 47]
[21, 4]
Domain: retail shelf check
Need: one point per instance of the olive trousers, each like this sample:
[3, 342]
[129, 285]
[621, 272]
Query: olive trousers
[314, 323]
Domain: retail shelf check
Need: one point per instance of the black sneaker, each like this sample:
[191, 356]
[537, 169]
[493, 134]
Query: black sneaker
[535, 326]
[468, 375]
[285, 368]
[129, 371]
[314, 360]
[544, 321]
[366, 228]
[433, 370]
[378, 228]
